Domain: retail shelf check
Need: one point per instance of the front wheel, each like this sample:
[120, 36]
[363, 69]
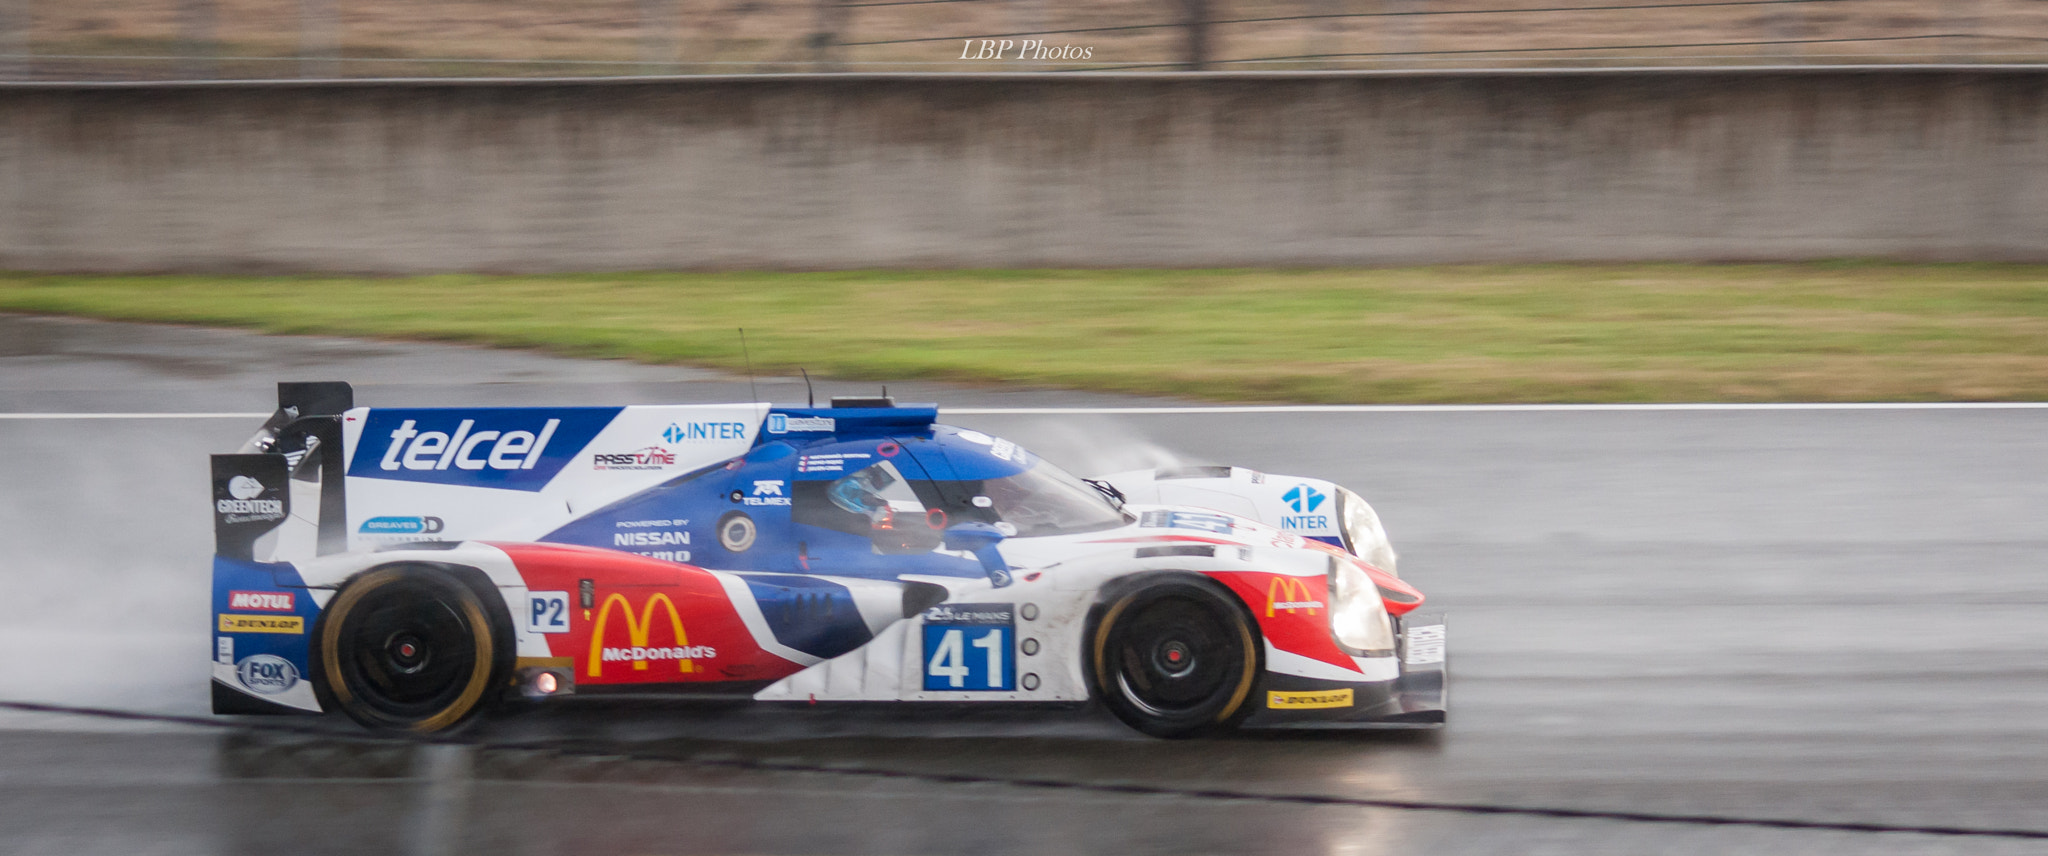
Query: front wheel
[1176, 659]
[409, 648]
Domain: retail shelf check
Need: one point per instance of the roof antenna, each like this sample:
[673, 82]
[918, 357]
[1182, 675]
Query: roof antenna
[810, 398]
[750, 365]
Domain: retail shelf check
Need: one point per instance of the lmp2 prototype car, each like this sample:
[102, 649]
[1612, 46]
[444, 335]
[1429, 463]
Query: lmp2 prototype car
[410, 567]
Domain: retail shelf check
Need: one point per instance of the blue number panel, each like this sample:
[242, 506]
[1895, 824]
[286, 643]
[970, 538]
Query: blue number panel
[968, 647]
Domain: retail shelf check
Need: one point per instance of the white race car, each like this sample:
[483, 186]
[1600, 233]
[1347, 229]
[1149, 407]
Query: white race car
[410, 567]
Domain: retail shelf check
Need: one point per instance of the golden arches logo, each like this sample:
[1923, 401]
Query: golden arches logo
[636, 632]
[1289, 593]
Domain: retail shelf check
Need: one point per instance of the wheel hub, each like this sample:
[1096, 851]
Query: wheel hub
[1173, 658]
[407, 653]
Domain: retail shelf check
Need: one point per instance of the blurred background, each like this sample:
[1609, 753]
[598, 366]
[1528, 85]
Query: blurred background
[216, 39]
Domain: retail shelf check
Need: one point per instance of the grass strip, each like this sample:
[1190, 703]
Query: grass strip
[1844, 331]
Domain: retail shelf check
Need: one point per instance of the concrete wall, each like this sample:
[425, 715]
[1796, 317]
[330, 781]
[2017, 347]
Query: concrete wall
[1081, 170]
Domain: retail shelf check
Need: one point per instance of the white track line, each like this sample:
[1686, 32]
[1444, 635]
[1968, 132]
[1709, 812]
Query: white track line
[134, 415]
[1282, 408]
[1487, 408]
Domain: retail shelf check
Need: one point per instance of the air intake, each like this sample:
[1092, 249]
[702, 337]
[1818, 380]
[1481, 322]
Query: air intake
[1164, 473]
[1203, 552]
[848, 401]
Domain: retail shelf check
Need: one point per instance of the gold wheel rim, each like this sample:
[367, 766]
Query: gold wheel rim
[330, 649]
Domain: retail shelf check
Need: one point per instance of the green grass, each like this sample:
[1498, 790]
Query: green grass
[1819, 332]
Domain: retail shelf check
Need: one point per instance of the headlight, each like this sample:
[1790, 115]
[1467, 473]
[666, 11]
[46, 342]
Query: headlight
[1363, 535]
[1358, 618]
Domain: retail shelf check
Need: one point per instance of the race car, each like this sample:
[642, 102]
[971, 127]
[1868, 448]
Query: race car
[410, 567]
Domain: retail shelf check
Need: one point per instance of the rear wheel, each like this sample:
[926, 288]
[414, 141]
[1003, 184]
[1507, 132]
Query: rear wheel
[1176, 659]
[409, 648]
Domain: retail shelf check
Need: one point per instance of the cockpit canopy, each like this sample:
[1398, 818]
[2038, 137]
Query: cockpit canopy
[862, 491]
[948, 477]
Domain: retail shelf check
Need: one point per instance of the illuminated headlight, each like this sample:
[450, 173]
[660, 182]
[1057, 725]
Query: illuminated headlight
[1363, 534]
[1358, 618]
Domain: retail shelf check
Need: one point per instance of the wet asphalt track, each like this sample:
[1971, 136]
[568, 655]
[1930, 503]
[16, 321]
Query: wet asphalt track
[1817, 615]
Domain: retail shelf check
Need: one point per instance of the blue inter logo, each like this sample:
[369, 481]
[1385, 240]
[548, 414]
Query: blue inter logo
[678, 432]
[1302, 498]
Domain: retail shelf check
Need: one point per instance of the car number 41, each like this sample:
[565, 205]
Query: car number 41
[968, 658]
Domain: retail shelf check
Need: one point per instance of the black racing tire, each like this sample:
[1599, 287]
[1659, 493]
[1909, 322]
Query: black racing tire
[1177, 658]
[410, 648]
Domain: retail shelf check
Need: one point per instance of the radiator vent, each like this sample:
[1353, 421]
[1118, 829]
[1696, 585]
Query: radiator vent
[1200, 550]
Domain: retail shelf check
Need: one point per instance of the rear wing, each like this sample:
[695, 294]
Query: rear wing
[282, 495]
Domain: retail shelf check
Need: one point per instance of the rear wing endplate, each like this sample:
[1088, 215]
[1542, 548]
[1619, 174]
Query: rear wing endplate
[300, 443]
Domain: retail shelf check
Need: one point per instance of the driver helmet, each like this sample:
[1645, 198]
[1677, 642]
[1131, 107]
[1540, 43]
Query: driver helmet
[861, 492]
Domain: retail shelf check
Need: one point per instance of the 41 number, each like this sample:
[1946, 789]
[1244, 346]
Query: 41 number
[953, 662]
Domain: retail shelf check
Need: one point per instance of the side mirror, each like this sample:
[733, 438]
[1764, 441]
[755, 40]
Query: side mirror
[981, 540]
[972, 537]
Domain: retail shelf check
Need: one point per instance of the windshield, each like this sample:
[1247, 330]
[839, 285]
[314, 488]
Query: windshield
[1041, 500]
